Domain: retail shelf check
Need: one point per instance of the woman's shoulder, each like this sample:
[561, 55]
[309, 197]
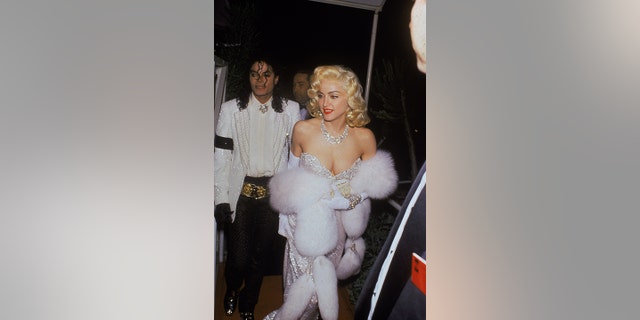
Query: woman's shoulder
[366, 142]
[363, 133]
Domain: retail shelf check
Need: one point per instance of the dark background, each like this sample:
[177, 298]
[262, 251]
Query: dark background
[304, 34]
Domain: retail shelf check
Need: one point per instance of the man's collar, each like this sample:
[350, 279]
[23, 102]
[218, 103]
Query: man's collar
[255, 101]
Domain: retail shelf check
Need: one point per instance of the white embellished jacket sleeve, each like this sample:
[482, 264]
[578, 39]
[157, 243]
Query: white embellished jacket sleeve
[223, 158]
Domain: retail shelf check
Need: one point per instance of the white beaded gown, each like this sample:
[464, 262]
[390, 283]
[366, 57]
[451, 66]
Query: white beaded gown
[295, 264]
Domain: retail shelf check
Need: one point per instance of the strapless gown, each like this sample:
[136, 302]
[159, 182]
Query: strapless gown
[296, 264]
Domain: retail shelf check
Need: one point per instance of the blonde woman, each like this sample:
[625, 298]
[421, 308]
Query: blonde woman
[323, 199]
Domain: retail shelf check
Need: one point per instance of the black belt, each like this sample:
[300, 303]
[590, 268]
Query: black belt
[255, 187]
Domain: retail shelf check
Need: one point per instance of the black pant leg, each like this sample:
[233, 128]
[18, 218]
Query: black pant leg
[264, 235]
[239, 239]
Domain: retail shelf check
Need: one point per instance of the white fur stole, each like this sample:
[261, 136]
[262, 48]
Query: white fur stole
[294, 189]
[376, 176]
[299, 191]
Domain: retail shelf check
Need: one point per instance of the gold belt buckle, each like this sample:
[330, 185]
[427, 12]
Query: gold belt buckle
[253, 191]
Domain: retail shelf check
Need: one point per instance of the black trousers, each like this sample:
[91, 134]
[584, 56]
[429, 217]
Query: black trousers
[250, 240]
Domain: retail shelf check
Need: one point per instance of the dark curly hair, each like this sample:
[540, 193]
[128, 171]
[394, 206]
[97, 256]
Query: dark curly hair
[278, 100]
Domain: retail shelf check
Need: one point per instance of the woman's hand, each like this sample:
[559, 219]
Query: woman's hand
[339, 202]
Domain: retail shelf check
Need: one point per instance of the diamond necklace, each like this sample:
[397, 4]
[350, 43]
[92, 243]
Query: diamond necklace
[331, 139]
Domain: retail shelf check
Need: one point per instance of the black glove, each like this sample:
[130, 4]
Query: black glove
[222, 214]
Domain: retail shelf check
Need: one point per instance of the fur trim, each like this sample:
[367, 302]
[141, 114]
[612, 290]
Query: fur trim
[351, 261]
[300, 292]
[355, 220]
[316, 231]
[376, 176]
[293, 190]
[326, 287]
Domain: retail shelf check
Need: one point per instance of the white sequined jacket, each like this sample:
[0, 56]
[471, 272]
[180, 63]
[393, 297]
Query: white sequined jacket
[230, 165]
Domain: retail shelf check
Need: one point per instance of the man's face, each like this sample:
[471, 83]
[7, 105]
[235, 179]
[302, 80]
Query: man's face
[418, 28]
[262, 80]
[300, 87]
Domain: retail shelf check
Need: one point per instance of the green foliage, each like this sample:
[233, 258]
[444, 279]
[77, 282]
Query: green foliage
[237, 43]
[388, 85]
[390, 89]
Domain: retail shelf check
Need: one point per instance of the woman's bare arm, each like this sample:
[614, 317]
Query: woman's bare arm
[367, 142]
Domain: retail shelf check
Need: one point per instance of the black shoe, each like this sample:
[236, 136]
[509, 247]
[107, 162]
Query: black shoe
[246, 315]
[230, 302]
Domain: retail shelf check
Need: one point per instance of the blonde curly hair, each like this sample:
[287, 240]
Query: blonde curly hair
[357, 113]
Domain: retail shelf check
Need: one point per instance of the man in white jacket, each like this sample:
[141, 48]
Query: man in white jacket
[252, 142]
